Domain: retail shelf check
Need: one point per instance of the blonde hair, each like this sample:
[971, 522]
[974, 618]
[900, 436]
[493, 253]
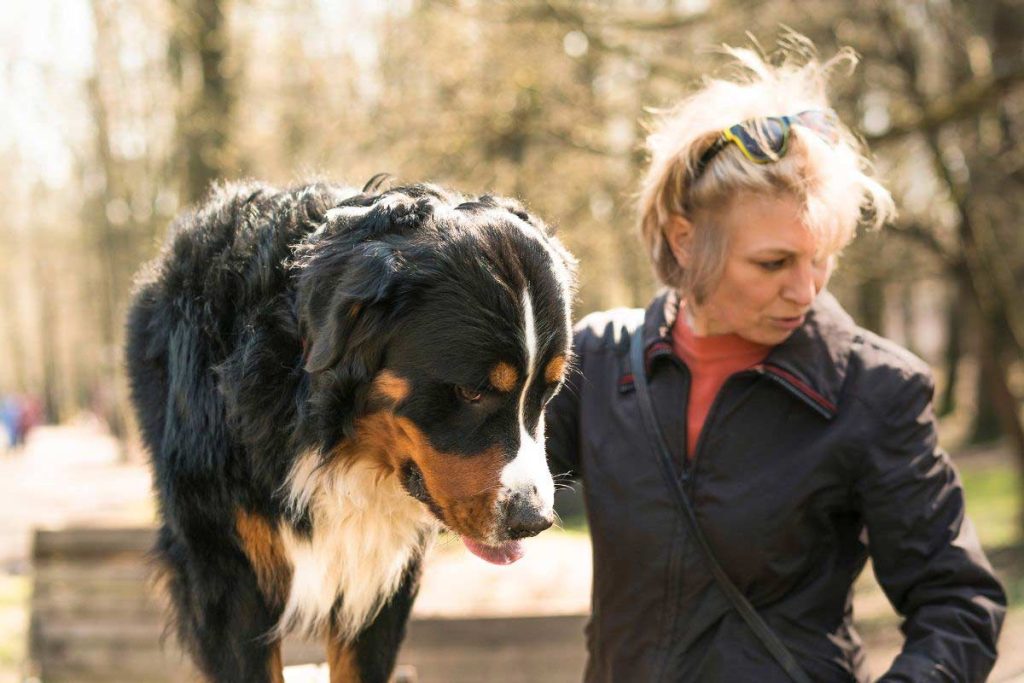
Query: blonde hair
[832, 181]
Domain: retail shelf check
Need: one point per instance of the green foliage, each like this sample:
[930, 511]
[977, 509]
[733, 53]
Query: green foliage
[993, 491]
[14, 598]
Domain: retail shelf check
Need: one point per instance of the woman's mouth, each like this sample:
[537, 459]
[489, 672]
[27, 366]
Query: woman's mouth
[788, 323]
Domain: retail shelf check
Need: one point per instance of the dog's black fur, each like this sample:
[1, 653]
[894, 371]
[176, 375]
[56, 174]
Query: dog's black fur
[350, 326]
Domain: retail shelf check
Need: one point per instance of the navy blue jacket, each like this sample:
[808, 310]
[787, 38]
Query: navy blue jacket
[823, 455]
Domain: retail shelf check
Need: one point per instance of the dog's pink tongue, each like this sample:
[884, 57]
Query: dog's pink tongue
[506, 553]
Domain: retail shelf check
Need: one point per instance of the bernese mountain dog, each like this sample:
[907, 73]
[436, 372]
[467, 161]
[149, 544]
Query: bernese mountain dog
[324, 379]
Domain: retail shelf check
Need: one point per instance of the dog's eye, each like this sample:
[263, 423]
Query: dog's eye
[468, 395]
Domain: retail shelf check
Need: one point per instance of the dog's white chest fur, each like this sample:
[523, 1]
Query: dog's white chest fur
[366, 528]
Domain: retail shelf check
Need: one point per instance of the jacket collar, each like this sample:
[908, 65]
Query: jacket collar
[811, 364]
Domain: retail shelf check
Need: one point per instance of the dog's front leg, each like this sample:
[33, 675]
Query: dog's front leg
[276, 664]
[370, 657]
[341, 658]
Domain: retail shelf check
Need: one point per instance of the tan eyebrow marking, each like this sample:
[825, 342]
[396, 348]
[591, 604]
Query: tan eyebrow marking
[504, 377]
[555, 368]
[391, 386]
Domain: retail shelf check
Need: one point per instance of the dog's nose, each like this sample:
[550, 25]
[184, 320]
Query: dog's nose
[523, 520]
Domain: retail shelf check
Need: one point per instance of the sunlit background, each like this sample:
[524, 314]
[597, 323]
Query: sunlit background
[117, 114]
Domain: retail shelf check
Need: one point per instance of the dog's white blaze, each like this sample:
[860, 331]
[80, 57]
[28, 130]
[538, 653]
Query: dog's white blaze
[529, 469]
[530, 464]
[530, 340]
[557, 264]
[366, 529]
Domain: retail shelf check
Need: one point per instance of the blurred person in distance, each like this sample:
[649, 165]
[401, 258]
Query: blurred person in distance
[11, 420]
[31, 416]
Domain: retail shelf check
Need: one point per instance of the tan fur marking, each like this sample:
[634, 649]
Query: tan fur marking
[465, 488]
[341, 660]
[391, 386]
[276, 664]
[555, 368]
[504, 377]
[377, 438]
[262, 545]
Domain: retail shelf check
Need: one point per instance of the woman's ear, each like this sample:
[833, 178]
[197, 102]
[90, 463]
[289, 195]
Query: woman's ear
[679, 233]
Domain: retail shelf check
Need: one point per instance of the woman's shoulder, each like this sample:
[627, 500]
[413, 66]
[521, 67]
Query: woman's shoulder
[889, 376]
[873, 357]
[885, 355]
[865, 366]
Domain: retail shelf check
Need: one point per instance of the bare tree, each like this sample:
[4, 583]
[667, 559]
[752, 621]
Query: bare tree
[199, 49]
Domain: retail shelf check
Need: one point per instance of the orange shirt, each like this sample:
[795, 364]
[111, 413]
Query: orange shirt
[711, 360]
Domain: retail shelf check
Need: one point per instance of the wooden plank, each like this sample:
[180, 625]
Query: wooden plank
[503, 650]
[85, 542]
[97, 606]
[487, 633]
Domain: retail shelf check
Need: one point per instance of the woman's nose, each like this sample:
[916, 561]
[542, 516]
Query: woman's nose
[802, 286]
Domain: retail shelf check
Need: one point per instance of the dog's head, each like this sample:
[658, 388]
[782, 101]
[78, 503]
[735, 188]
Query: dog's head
[436, 330]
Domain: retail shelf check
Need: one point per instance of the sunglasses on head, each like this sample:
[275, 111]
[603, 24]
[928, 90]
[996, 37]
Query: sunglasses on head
[766, 140]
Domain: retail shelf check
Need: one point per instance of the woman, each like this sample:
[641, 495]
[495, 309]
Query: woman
[804, 443]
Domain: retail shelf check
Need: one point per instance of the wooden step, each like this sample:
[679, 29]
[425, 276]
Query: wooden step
[98, 616]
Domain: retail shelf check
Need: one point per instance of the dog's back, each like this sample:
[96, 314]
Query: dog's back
[224, 267]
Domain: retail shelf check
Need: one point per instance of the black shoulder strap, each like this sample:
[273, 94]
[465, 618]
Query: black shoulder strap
[764, 632]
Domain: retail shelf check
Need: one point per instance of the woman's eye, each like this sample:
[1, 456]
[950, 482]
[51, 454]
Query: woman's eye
[772, 265]
[468, 395]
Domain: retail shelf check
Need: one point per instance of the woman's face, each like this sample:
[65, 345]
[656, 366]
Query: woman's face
[771, 274]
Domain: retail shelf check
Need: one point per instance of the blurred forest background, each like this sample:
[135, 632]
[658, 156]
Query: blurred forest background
[119, 113]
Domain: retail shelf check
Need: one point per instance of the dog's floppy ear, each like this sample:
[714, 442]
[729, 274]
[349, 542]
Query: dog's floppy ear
[343, 316]
[346, 278]
[337, 293]
[351, 285]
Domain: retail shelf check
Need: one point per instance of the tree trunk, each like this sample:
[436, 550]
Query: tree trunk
[908, 318]
[205, 119]
[871, 302]
[48, 332]
[1004, 404]
[986, 426]
[9, 316]
[955, 314]
[107, 239]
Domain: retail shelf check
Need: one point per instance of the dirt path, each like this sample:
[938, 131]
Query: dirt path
[66, 475]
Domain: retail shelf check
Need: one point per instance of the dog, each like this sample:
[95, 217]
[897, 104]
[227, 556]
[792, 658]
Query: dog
[325, 378]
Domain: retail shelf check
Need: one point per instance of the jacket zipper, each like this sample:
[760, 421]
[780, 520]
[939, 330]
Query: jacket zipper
[688, 465]
[761, 369]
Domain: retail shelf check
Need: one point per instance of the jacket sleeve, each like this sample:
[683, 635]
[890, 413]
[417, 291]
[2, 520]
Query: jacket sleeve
[925, 552]
[562, 416]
